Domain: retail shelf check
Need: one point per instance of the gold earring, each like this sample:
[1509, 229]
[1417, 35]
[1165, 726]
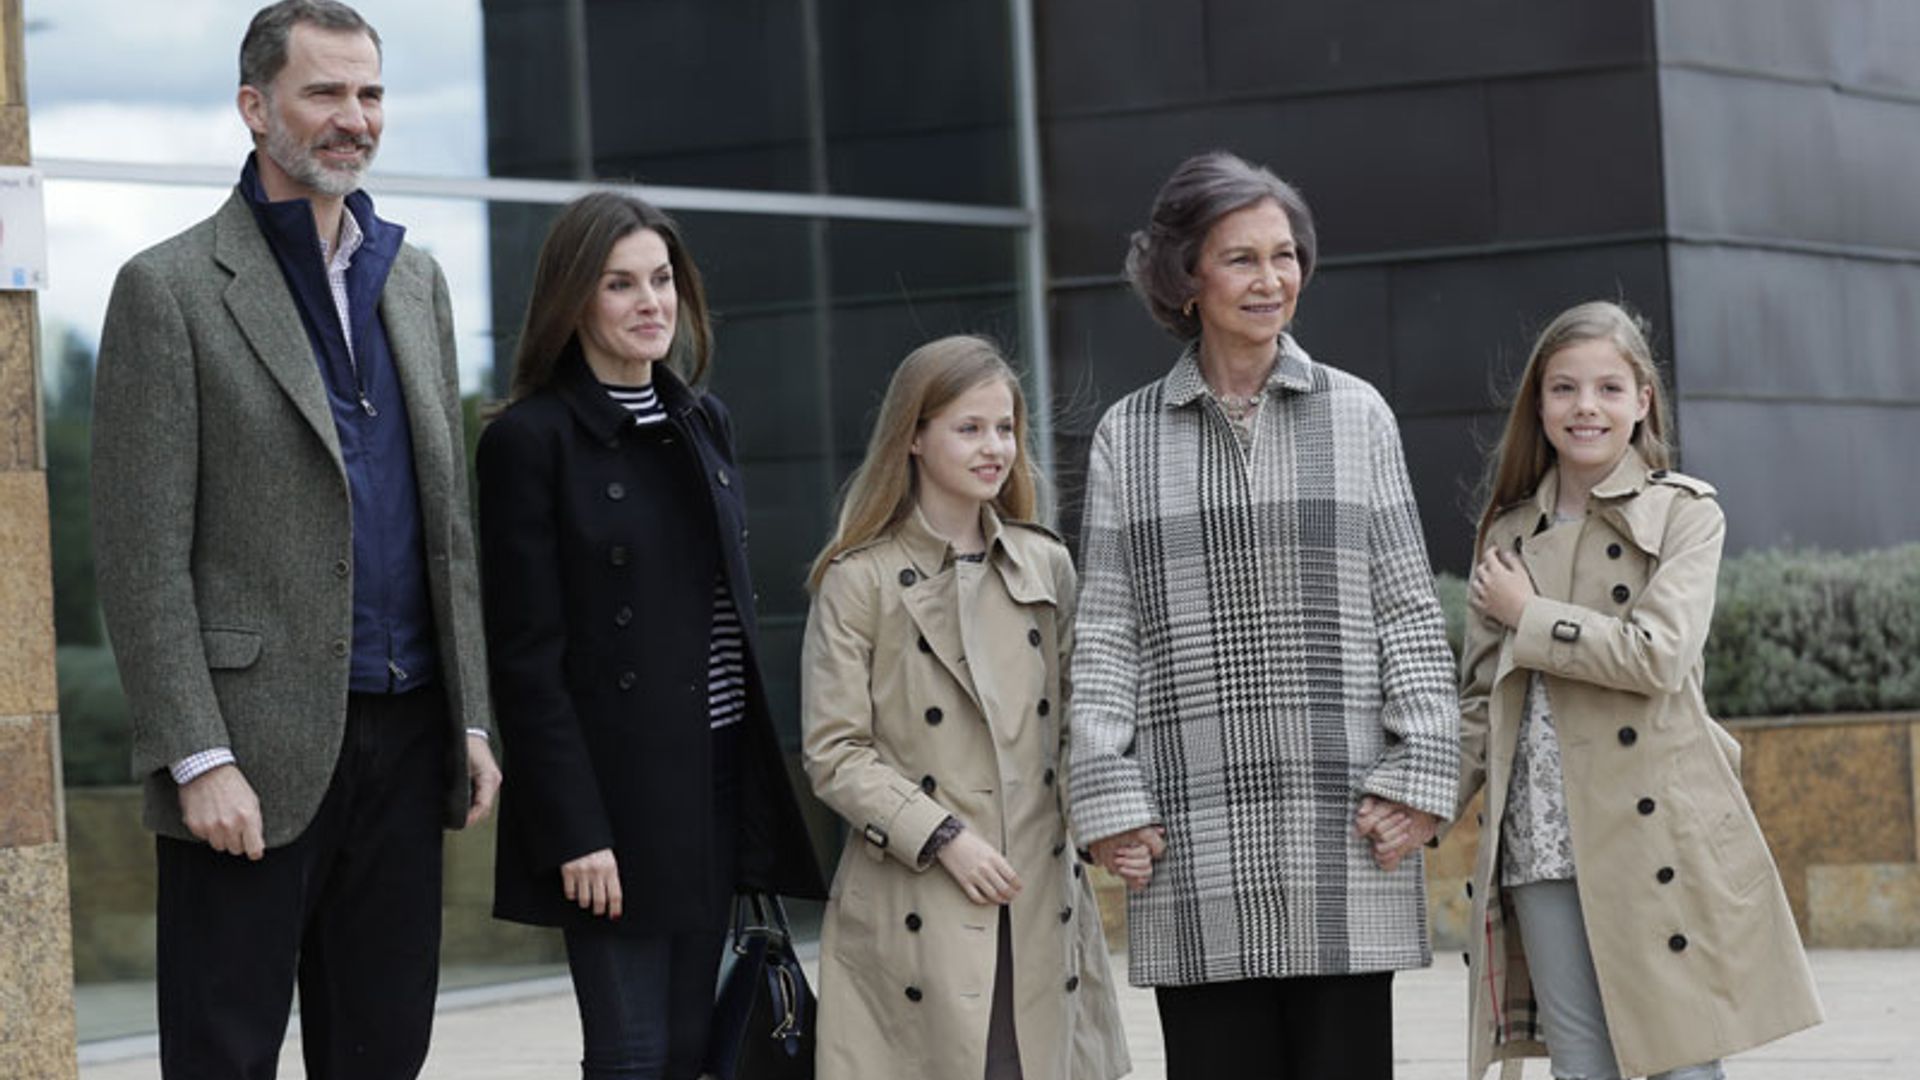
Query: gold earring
[1188, 310]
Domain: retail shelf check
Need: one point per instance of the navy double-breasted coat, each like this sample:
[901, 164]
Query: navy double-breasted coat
[600, 542]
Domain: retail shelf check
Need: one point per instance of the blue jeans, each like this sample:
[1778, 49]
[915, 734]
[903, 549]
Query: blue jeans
[645, 1002]
[1554, 933]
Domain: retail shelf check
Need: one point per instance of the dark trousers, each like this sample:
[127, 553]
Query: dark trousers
[1310, 1028]
[645, 1001]
[350, 910]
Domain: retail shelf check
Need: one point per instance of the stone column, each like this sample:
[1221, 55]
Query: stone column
[36, 945]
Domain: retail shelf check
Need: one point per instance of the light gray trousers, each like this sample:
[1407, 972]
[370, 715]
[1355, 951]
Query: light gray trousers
[1554, 934]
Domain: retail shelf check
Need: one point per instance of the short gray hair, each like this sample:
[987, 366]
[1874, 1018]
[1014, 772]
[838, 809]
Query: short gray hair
[263, 52]
[1204, 189]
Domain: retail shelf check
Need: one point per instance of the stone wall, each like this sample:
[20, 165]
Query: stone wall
[36, 999]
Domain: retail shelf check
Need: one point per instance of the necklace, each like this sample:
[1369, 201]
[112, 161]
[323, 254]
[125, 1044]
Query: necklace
[1237, 407]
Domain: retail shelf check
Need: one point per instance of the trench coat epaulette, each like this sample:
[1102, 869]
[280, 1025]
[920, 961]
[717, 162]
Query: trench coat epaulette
[1692, 484]
[857, 548]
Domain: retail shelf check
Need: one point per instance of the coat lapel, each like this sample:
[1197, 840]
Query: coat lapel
[406, 311]
[931, 599]
[263, 307]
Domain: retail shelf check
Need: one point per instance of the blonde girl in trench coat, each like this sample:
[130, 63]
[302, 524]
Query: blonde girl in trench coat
[961, 939]
[1630, 919]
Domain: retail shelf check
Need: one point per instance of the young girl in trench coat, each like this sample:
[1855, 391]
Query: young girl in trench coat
[1630, 919]
[961, 938]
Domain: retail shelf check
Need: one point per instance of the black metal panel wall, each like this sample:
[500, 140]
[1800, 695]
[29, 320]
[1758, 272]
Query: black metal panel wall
[1473, 169]
[1792, 138]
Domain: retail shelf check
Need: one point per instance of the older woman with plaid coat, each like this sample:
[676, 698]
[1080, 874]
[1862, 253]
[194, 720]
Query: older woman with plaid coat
[1264, 724]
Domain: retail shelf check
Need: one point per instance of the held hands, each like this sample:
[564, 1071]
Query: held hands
[593, 882]
[1129, 855]
[1397, 830]
[1499, 588]
[219, 806]
[981, 871]
[486, 779]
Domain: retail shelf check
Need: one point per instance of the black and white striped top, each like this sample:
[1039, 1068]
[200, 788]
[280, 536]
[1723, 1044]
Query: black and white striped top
[727, 648]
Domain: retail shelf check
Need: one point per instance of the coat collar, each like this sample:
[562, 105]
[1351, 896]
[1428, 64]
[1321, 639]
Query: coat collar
[596, 410]
[1613, 498]
[1008, 550]
[1292, 370]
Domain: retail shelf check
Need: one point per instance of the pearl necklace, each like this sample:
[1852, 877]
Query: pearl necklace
[1236, 407]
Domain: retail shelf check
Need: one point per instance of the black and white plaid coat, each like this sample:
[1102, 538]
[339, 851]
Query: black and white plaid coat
[1259, 645]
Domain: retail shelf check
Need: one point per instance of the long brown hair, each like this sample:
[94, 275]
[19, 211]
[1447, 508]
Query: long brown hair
[568, 274]
[880, 494]
[1524, 455]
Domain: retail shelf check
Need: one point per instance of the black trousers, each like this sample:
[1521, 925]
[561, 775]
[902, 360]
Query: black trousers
[1322, 1027]
[350, 911]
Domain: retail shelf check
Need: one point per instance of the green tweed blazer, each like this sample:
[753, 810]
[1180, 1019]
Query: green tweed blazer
[221, 527]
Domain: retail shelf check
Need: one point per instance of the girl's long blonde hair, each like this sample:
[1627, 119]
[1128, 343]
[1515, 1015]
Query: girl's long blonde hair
[1524, 455]
[880, 493]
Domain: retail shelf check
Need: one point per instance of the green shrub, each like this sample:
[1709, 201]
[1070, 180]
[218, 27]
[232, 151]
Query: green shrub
[1798, 632]
[96, 742]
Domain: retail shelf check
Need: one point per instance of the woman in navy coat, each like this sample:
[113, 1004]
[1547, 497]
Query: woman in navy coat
[647, 783]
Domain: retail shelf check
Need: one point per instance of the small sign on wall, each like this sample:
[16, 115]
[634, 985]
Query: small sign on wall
[23, 228]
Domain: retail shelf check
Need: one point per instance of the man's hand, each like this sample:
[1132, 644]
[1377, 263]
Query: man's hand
[486, 779]
[219, 806]
[1130, 855]
[593, 882]
[1397, 830]
[981, 871]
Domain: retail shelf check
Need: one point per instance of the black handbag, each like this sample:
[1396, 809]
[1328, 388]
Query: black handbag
[763, 1014]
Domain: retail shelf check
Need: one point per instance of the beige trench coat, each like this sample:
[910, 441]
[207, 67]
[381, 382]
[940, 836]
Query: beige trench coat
[913, 710]
[1693, 943]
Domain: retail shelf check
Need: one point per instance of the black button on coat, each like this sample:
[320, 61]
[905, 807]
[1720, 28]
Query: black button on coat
[591, 767]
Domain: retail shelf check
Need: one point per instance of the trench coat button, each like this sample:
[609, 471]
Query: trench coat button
[1047, 778]
[1078, 870]
[623, 616]
[924, 647]
[616, 491]
[617, 555]
[721, 475]
[1479, 819]
[1678, 942]
[1621, 593]
[927, 785]
[1059, 848]
[1073, 983]
[1663, 875]
[908, 577]
[1469, 890]
[1628, 736]
[1657, 474]
[1033, 638]
[1466, 958]
[913, 993]
[913, 921]
[339, 646]
[1518, 545]
[934, 715]
[341, 568]
[1613, 551]
[627, 679]
[1645, 806]
[1066, 914]
[1044, 707]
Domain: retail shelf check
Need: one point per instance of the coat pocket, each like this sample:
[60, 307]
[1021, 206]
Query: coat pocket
[229, 648]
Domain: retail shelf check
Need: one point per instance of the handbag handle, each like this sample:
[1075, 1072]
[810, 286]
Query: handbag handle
[759, 914]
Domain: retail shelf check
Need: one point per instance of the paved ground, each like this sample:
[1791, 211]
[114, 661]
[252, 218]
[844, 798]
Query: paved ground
[530, 1030]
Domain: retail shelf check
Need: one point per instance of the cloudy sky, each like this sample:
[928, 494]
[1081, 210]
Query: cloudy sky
[133, 81]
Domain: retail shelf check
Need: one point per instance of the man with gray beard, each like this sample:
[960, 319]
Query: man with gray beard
[287, 573]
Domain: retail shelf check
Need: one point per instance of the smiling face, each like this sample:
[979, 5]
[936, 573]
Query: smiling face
[966, 450]
[1248, 278]
[318, 123]
[629, 322]
[1589, 404]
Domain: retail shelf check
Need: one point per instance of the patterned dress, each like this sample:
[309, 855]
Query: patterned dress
[1259, 646]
